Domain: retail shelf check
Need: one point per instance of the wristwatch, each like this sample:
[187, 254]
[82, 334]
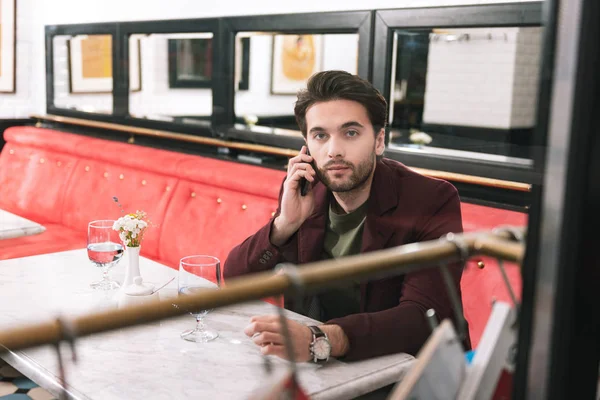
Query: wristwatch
[320, 348]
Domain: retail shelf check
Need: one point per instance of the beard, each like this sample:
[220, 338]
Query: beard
[359, 176]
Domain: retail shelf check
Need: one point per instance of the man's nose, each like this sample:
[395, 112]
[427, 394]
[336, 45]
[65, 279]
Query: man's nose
[336, 149]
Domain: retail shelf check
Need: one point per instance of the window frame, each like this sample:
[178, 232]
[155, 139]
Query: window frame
[104, 28]
[526, 14]
[359, 22]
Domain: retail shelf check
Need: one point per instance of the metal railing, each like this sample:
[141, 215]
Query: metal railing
[504, 244]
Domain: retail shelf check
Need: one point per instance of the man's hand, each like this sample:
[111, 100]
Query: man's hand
[295, 209]
[266, 331]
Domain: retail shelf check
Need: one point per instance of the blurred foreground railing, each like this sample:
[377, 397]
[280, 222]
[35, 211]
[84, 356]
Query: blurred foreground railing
[502, 244]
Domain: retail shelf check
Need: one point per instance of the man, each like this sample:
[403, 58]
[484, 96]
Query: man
[358, 202]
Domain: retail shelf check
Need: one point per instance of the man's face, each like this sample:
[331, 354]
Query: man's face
[342, 143]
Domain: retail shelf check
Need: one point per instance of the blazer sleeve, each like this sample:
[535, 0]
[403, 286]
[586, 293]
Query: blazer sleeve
[404, 328]
[257, 253]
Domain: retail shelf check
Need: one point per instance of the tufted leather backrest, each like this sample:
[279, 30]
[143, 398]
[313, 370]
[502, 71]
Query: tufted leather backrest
[93, 185]
[35, 170]
[219, 219]
[197, 205]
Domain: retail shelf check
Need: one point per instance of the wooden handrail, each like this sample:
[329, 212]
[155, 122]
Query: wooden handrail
[134, 130]
[475, 180]
[314, 276]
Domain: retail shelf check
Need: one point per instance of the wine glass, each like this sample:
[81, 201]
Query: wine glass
[104, 249]
[196, 274]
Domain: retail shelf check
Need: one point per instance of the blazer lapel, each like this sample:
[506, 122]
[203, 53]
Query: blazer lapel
[383, 197]
[378, 229]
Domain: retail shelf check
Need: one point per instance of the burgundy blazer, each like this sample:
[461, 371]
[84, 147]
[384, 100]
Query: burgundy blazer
[403, 207]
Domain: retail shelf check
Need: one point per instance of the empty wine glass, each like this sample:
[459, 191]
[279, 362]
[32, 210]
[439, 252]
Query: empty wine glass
[104, 249]
[196, 274]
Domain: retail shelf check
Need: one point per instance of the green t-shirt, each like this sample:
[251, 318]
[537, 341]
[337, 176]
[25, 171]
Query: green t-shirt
[343, 237]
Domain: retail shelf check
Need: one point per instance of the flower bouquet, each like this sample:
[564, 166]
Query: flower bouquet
[131, 228]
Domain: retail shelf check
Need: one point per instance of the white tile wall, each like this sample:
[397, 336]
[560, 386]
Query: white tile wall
[33, 15]
[20, 104]
[484, 83]
[526, 82]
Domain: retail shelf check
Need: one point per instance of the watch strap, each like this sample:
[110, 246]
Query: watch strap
[316, 331]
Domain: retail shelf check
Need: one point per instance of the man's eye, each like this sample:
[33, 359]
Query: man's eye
[352, 133]
[319, 136]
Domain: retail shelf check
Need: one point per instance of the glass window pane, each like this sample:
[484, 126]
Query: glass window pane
[83, 78]
[468, 92]
[170, 77]
[271, 68]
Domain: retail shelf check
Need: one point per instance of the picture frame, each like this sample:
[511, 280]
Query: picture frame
[135, 64]
[177, 55]
[190, 63]
[294, 59]
[8, 58]
[242, 63]
[90, 64]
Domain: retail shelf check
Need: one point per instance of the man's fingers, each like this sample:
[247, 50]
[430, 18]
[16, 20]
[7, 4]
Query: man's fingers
[303, 166]
[274, 350]
[268, 338]
[260, 326]
[265, 318]
[300, 158]
[299, 174]
[300, 169]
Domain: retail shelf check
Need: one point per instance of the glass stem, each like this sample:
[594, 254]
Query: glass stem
[200, 324]
[105, 274]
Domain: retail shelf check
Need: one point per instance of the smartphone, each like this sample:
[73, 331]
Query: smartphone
[304, 183]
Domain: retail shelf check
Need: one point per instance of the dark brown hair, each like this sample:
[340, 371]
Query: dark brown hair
[341, 85]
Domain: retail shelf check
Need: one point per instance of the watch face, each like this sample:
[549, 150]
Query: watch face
[322, 348]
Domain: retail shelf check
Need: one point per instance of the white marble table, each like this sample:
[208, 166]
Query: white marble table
[13, 226]
[152, 361]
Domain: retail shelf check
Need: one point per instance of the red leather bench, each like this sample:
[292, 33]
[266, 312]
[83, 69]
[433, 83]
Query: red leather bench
[63, 181]
[198, 204]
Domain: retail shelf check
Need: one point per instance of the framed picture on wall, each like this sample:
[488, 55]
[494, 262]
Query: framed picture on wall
[90, 64]
[190, 63]
[8, 62]
[295, 59]
[135, 64]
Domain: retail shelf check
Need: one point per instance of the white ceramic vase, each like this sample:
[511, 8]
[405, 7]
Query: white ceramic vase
[133, 265]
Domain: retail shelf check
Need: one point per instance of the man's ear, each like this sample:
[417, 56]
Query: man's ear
[380, 142]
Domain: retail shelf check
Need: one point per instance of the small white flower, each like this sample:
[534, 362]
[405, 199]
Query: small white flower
[130, 225]
[420, 138]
